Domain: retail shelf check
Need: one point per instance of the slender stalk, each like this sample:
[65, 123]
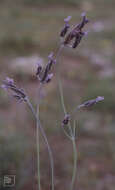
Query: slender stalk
[45, 139]
[62, 102]
[61, 95]
[50, 153]
[73, 112]
[61, 88]
[38, 148]
[72, 133]
[59, 51]
[75, 163]
[74, 128]
[37, 139]
[66, 133]
[31, 107]
[38, 136]
[59, 80]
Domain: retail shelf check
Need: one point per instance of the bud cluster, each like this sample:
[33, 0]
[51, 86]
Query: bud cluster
[19, 94]
[90, 103]
[73, 37]
[43, 73]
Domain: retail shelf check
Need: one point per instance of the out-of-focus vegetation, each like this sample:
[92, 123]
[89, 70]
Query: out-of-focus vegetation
[30, 29]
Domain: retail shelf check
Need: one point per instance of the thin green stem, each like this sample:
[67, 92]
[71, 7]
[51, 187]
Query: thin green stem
[74, 128]
[59, 80]
[38, 136]
[38, 148]
[50, 155]
[72, 133]
[59, 51]
[61, 89]
[61, 95]
[37, 139]
[45, 139]
[73, 112]
[66, 133]
[75, 163]
[62, 102]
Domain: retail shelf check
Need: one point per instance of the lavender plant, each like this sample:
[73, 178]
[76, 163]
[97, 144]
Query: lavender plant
[71, 37]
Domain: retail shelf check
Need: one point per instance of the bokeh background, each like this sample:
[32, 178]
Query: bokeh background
[29, 31]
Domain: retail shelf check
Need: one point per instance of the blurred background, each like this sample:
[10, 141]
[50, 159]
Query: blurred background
[29, 31]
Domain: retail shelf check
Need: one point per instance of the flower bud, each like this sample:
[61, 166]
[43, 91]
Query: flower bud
[66, 27]
[66, 119]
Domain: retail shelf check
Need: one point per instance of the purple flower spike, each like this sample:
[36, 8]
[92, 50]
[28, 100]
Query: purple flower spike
[90, 103]
[44, 76]
[74, 37]
[8, 84]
